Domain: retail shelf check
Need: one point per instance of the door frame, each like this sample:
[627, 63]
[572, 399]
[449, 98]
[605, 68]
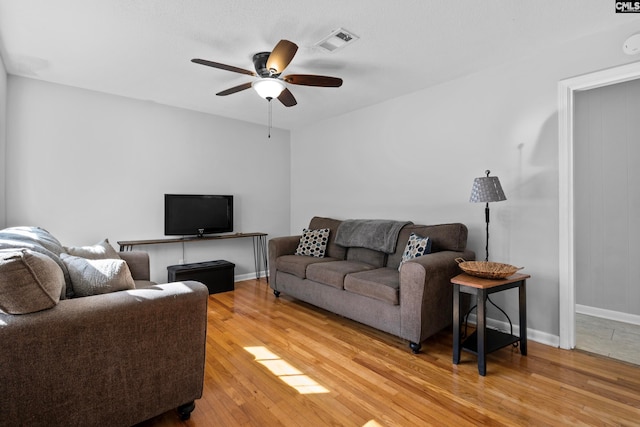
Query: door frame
[566, 93]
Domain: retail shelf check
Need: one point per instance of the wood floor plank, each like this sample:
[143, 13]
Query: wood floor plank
[258, 345]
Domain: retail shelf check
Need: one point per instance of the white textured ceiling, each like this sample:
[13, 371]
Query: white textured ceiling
[142, 48]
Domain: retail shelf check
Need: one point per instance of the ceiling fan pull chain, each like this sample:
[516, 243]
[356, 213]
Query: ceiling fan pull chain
[270, 116]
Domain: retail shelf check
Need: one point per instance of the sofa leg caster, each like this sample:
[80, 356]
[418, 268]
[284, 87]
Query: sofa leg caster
[415, 347]
[276, 293]
[184, 411]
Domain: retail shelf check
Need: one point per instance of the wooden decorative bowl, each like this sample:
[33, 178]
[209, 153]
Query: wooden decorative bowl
[487, 269]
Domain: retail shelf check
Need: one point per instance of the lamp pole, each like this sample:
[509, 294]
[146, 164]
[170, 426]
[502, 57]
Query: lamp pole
[487, 189]
[486, 214]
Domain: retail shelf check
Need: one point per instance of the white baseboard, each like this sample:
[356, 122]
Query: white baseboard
[608, 314]
[247, 276]
[532, 334]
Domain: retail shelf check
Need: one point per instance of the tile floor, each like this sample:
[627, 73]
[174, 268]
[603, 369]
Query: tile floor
[608, 337]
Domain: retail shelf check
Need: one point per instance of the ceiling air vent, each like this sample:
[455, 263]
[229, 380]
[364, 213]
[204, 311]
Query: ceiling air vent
[337, 40]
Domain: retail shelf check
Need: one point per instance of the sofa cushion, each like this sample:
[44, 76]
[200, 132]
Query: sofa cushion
[29, 281]
[333, 273]
[333, 250]
[368, 256]
[313, 242]
[97, 276]
[382, 284]
[297, 265]
[444, 237]
[38, 240]
[101, 250]
[416, 246]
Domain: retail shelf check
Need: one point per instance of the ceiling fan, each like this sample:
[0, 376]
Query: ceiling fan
[269, 67]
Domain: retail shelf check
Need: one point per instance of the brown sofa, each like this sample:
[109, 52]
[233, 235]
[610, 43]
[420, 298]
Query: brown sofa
[366, 285]
[113, 359]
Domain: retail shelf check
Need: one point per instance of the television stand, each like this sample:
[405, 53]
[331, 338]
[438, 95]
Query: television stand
[259, 246]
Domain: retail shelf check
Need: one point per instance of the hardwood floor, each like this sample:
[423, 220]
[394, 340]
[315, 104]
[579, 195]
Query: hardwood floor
[280, 362]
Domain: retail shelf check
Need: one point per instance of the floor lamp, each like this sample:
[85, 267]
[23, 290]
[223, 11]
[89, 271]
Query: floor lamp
[487, 189]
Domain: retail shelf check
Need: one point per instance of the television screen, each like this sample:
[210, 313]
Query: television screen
[197, 214]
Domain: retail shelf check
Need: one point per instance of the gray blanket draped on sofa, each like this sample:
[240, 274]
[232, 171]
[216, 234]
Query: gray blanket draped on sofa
[377, 234]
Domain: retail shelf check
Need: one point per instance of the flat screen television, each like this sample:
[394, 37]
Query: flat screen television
[197, 214]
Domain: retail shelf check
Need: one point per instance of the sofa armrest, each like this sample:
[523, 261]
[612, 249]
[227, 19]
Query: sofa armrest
[426, 293]
[138, 263]
[279, 246]
[124, 356]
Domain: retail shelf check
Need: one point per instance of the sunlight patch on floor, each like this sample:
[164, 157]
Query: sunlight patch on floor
[285, 371]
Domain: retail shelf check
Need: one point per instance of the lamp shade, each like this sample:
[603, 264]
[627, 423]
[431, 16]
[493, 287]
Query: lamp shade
[268, 87]
[487, 189]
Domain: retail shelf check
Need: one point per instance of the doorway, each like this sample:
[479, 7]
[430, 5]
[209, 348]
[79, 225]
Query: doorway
[607, 203]
[567, 266]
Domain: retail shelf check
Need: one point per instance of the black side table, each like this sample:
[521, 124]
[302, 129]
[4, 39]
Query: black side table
[484, 341]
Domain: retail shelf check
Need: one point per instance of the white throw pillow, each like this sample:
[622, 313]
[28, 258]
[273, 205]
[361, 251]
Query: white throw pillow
[101, 250]
[97, 276]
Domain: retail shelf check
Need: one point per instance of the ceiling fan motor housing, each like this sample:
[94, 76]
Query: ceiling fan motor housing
[260, 63]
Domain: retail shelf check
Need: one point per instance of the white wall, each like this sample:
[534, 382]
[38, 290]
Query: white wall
[3, 140]
[415, 157]
[88, 165]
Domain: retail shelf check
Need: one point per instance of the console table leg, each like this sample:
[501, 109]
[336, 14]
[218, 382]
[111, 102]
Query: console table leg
[265, 258]
[456, 324]
[522, 294]
[260, 256]
[256, 256]
[481, 332]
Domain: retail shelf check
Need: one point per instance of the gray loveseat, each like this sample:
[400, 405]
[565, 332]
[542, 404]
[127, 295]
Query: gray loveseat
[111, 359]
[412, 302]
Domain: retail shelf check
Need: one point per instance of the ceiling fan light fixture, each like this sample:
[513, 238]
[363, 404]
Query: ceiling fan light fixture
[268, 87]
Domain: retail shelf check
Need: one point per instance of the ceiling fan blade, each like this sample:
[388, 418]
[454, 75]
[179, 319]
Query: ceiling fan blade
[287, 98]
[223, 66]
[312, 80]
[281, 56]
[234, 89]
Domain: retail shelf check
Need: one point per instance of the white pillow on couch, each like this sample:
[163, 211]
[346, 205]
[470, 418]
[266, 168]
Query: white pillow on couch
[100, 250]
[97, 276]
